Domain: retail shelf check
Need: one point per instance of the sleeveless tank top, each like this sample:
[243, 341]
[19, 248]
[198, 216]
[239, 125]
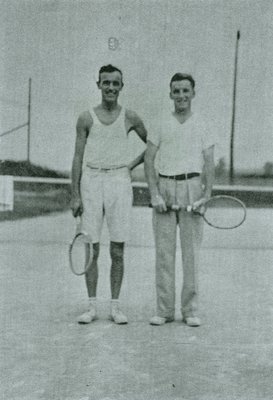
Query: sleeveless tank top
[107, 145]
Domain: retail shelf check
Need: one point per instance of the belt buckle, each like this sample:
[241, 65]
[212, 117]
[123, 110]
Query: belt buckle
[101, 169]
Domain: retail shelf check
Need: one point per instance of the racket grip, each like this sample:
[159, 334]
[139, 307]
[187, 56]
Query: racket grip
[176, 207]
[78, 224]
[79, 230]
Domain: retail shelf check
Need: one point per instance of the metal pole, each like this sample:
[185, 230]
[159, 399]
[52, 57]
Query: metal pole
[28, 123]
[231, 170]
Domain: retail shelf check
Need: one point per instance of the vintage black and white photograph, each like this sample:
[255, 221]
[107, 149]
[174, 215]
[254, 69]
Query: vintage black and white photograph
[136, 199]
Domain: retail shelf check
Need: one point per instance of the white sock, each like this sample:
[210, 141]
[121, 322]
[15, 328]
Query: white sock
[114, 304]
[92, 302]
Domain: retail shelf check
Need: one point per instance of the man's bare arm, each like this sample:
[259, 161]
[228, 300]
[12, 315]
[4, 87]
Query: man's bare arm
[135, 123]
[209, 175]
[83, 126]
[137, 161]
[149, 167]
[209, 170]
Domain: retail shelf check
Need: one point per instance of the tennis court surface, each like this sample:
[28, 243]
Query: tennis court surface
[46, 355]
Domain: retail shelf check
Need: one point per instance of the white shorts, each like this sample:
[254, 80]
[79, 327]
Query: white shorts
[106, 193]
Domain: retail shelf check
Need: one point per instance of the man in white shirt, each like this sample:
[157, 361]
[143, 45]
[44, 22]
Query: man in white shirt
[101, 184]
[186, 150]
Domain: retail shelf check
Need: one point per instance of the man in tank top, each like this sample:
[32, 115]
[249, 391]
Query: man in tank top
[185, 147]
[101, 184]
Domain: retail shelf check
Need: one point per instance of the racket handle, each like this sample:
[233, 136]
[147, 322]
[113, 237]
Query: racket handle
[79, 229]
[175, 207]
[78, 224]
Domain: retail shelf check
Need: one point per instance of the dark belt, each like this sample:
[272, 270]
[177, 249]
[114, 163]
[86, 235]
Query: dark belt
[105, 169]
[181, 177]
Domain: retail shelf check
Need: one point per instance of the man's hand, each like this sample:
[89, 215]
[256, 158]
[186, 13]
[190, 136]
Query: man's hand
[198, 206]
[158, 203]
[76, 206]
[137, 161]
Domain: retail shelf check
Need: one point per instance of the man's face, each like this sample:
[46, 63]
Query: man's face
[110, 85]
[182, 94]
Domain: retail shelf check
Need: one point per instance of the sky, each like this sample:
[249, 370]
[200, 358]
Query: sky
[62, 44]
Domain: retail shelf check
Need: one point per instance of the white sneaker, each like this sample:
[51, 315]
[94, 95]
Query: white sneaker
[116, 315]
[192, 321]
[87, 317]
[156, 320]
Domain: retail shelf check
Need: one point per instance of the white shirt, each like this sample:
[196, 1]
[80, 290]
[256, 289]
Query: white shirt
[181, 146]
[107, 145]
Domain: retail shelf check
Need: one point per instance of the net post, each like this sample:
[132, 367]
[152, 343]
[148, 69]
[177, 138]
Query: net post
[231, 170]
[28, 121]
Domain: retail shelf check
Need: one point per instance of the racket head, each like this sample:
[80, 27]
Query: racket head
[224, 212]
[80, 254]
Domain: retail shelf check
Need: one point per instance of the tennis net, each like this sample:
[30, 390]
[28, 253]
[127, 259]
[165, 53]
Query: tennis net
[34, 196]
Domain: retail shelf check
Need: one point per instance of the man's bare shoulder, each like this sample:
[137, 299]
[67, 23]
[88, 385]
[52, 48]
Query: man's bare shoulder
[85, 120]
[132, 117]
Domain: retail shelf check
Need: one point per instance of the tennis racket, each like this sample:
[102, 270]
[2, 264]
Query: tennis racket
[221, 212]
[80, 251]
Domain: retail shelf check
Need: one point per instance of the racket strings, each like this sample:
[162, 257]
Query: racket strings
[224, 212]
[80, 254]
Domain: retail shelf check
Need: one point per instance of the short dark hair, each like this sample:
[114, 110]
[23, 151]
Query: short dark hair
[109, 68]
[181, 77]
